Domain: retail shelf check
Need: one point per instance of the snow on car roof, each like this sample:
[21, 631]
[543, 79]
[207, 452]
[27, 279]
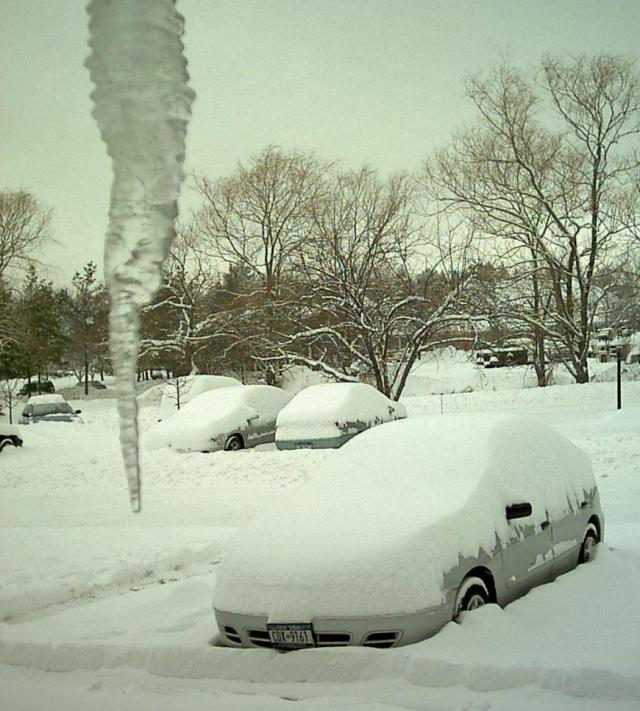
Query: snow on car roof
[350, 401]
[45, 399]
[9, 430]
[250, 395]
[401, 503]
[189, 387]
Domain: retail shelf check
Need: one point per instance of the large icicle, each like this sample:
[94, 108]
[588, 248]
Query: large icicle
[142, 105]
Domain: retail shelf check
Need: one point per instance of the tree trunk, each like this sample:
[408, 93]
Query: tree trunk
[540, 359]
[582, 371]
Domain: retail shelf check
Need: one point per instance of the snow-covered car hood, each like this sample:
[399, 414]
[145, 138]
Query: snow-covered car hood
[401, 503]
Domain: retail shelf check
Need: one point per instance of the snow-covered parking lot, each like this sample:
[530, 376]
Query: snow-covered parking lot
[119, 605]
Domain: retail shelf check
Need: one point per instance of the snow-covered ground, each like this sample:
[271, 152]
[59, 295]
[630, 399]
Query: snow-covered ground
[119, 605]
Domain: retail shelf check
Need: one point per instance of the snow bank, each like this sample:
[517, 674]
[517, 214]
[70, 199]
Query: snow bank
[316, 410]
[190, 387]
[297, 377]
[400, 504]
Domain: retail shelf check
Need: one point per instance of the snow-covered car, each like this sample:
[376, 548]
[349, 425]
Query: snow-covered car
[409, 525]
[9, 436]
[185, 389]
[48, 408]
[226, 418]
[328, 415]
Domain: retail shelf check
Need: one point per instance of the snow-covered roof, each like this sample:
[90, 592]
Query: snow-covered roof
[392, 510]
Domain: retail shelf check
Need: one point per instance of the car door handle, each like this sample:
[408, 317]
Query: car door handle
[545, 524]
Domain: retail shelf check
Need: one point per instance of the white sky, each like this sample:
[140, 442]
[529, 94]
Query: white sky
[375, 81]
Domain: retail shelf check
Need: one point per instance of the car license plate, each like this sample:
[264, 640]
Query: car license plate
[304, 445]
[290, 635]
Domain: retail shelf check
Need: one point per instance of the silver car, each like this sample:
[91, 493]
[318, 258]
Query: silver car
[326, 416]
[413, 523]
[227, 418]
[48, 408]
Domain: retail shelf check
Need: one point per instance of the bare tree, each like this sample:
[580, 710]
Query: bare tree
[364, 311]
[257, 217]
[560, 196]
[187, 318]
[254, 221]
[24, 227]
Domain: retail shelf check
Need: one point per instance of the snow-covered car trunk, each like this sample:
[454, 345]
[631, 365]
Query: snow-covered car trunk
[407, 510]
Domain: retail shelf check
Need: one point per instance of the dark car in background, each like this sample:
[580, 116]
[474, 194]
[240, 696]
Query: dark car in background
[43, 387]
[502, 357]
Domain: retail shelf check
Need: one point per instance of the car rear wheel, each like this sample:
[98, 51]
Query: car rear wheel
[589, 546]
[234, 443]
[473, 593]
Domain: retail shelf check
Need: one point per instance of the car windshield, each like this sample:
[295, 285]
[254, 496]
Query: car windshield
[52, 408]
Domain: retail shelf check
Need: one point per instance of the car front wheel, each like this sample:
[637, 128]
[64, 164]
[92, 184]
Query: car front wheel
[589, 544]
[234, 443]
[473, 593]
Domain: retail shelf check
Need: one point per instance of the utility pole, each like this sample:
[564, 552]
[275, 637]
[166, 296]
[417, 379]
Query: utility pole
[619, 344]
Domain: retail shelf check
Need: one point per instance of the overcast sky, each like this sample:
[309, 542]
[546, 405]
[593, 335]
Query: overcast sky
[365, 81]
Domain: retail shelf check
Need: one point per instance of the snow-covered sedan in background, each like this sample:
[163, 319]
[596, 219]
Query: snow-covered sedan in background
[48, 408]
[330, 414]
[409, 525]
[228, 418]
[185, 389]
[9, 436]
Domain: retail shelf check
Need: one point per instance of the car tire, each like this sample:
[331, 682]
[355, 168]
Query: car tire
[234, 443]
[589, 545]
[473, 593]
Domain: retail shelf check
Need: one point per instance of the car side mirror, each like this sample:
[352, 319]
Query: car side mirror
[78, 412]
[518, 511]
